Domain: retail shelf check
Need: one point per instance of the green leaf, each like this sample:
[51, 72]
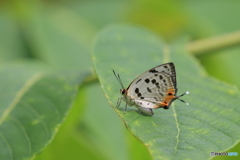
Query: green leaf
[11, 44]
[33, 104]
[67, 135]
[209, 123]
[60, 45]
[206, 22]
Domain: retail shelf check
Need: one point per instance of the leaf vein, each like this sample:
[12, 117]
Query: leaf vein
[22, 128]
[35, 113]
[48, 101]
[7, 143]
[210, 126]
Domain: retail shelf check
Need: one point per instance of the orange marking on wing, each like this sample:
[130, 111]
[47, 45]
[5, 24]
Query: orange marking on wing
[161, 104]
[170, 95]
[167, 99]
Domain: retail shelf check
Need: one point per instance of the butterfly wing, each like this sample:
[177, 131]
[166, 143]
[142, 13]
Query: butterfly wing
[155, 88]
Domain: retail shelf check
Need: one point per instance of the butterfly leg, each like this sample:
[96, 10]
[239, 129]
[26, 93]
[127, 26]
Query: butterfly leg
[125, 108]
[119, 102]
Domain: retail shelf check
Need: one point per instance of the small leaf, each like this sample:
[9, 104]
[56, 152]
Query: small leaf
[209, 123]
[33, 104]
[11, 44]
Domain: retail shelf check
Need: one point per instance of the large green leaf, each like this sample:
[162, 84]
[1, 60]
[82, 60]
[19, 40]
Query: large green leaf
[209, 123]
[33, 104]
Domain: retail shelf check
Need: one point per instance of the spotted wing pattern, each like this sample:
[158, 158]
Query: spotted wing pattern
[155, 88]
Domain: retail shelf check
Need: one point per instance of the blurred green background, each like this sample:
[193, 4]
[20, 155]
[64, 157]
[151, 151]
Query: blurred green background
[59, 33]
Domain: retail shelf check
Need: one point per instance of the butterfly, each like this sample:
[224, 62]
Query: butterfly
[155, 88]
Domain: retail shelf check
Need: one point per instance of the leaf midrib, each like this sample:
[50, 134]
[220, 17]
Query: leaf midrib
[178, 129]
[166, 59]
[19, 95]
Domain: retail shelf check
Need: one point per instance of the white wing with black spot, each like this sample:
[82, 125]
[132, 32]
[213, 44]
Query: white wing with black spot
[152, 88]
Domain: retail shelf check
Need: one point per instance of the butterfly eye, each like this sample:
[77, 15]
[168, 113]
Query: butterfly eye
[122, 91]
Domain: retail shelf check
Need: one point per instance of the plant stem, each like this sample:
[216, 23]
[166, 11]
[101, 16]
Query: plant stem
[214, 43]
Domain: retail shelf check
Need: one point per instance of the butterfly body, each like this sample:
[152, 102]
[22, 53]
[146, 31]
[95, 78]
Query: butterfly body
[155, 88]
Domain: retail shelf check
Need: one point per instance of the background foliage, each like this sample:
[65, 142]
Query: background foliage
[56, 37]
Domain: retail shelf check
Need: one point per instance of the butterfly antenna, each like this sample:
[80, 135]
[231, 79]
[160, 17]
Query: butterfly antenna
[181, 96]
[118, 78]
